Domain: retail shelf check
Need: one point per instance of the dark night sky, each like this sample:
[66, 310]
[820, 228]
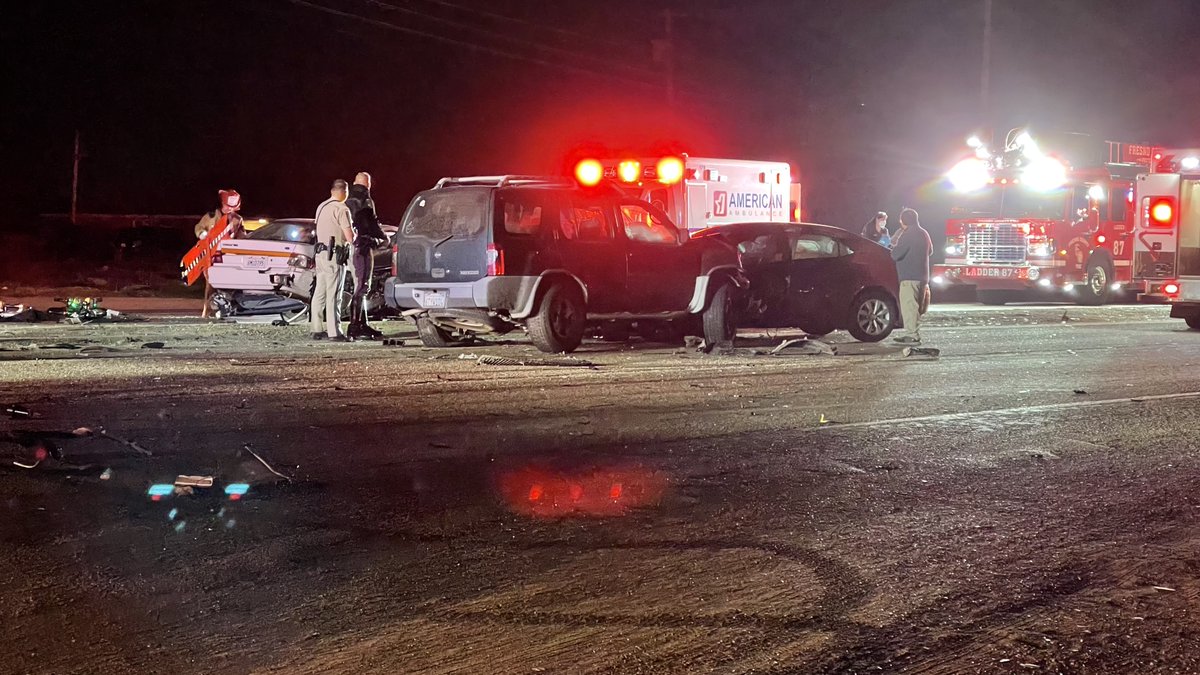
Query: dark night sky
[869, 98]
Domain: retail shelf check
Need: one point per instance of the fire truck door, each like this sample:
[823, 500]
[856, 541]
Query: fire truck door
[1154, 246]
[697, 208]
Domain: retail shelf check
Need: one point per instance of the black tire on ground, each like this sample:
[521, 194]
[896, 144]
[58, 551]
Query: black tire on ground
[1099, 283]
[1193, 321]
[433, 335]
[560, 320]
[720, 322]
[872, 316]
[995, 297]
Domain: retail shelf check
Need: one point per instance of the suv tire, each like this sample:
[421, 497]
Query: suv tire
[872, 316]
[719, 324]
[561, 318]
[433, 335]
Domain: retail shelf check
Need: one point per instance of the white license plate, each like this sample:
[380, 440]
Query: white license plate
[257, 262]
[433, 300]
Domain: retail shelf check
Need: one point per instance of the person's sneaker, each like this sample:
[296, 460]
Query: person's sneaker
[906, 340]
[319, 336]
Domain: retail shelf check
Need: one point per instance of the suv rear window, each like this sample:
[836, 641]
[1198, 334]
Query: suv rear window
[453, 212]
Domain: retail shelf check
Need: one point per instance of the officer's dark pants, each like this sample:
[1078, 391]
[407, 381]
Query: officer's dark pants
[363, 263]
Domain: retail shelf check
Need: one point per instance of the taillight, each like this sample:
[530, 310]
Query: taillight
[395, 261]
[495, 261]
[1170, 289]
[1162, 212]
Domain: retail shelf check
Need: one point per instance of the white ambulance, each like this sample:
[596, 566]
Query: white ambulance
[1166, 246]
[701, 192]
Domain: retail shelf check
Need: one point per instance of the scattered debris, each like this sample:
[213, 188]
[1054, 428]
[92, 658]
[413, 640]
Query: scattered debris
[17, 411]
[83, 431]
[393, 342]
[925, 352]
[792, 347]
[1081, 392]
[154, 345]
[825, 420]
[250, 450]
[562, 361]
[1166, 589]
[194, 481]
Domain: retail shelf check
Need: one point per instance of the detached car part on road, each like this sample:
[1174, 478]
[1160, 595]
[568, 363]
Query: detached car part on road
[497, 253]
[271, 271]
[814, 277]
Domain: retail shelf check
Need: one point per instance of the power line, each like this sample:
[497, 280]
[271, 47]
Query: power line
[387, 6]
[477, 47]
[511, 19]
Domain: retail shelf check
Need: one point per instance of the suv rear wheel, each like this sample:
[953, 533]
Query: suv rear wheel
[720, 326]
[560, 320]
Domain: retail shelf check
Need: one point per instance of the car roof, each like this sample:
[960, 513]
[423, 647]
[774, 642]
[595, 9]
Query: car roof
[742, 229]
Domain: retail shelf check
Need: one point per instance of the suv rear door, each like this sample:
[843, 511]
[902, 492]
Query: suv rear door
[444, 236]
[586, 244]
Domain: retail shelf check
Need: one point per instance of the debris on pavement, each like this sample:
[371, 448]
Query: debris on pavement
[1166, 589]
[154, 345]
[17, 411]
[393, 342]
[1081, 392]
[563, 361]
[250, 450]
[921, 352]
[803, 346]
[194, 481]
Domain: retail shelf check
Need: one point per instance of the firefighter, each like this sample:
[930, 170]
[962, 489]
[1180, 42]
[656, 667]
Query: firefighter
[911, 251]
[225, 215]
[367, 237]
[333, 235]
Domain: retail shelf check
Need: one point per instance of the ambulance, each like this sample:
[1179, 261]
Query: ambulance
[699, 192]
[1166, 242]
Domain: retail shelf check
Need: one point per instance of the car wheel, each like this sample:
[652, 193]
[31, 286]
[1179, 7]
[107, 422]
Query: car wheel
[561, 318]
[1099, 282]
[872, 316]
[433, 335]
[1193, 321]
[720, 324]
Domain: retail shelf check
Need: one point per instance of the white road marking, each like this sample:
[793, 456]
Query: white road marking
[1047, 407]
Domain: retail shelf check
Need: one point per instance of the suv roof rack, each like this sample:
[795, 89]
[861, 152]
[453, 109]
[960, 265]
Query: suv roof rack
[501, 181]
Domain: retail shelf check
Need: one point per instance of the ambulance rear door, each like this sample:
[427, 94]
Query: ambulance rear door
[1154, 244]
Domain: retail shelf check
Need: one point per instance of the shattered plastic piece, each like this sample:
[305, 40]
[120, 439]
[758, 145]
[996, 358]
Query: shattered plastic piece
[927, 352]
[1080, 392]
[825, 420]
[1167, 589]
[250, 450]
[154, 345]
[17, 411]
[194, 481]
[393, 342]
[565, 361]
[107, 475]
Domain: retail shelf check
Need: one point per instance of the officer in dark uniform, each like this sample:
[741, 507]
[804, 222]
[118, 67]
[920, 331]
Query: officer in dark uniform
[367, 237]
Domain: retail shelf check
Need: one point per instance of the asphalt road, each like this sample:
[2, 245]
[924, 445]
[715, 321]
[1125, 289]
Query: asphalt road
[1027, 502]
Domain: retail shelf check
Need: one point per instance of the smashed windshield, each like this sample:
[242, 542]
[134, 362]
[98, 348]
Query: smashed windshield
[456, 212]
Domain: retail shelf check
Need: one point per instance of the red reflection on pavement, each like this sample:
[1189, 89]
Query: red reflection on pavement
[548, 493]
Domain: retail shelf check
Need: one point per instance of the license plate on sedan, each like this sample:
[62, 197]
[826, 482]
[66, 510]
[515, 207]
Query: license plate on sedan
[433, 300]
[257, 262]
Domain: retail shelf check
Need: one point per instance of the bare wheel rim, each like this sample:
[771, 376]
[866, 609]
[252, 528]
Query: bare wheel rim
[1099, 279]
[874, 316]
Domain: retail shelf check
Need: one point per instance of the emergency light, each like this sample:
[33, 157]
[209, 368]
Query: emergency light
[589, 172]
[1162, 212]
[629, 170]
[669, 170]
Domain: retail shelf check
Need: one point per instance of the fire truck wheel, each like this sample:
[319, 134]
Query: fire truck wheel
[1099, 281]
[872, 316]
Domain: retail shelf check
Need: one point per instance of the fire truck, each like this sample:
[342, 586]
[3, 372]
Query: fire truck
[1034, 221]
[1166, 241]
[697, 193]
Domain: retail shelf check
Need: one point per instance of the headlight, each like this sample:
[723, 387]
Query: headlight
[300, 260]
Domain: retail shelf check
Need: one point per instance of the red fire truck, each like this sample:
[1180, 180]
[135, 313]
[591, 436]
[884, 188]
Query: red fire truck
[699, 192]
[1166, 236]
[1034, 221]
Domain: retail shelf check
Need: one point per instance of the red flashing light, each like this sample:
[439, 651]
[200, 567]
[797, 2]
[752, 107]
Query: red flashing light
[1100, 239]
[495, 261]
[1004, 181]
[796, 214]
[535, 492]
[1162, 212]
[575, 491]
[670, 170]
[629, 171]
[1171, 288]
[614, 493]
[589, 172]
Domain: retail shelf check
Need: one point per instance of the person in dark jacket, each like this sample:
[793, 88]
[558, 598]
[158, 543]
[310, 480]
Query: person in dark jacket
[911, 251]
[876, 230]
[368, 235]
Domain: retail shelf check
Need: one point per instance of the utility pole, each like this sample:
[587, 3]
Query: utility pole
[986, 73]
[75, 181]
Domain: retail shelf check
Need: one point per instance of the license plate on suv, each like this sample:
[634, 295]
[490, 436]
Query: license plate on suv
[433, 300]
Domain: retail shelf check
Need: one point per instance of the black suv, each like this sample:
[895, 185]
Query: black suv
[490, 254]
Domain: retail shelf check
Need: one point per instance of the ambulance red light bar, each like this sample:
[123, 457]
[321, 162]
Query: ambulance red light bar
[629, 170]
[589, 172]
[669, 170]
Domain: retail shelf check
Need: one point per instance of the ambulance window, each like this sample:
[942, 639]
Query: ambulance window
[585, 222]
[644, 226]
[808, 246]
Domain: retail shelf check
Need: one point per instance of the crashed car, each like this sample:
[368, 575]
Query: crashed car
[813, 277]
[498, 253]
[271, 271]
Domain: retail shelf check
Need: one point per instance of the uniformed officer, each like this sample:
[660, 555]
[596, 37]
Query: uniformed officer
[367, 237]
[333, 235]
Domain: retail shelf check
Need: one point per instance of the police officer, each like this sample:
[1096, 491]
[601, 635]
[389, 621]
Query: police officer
[367, 237]
[333, 235]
